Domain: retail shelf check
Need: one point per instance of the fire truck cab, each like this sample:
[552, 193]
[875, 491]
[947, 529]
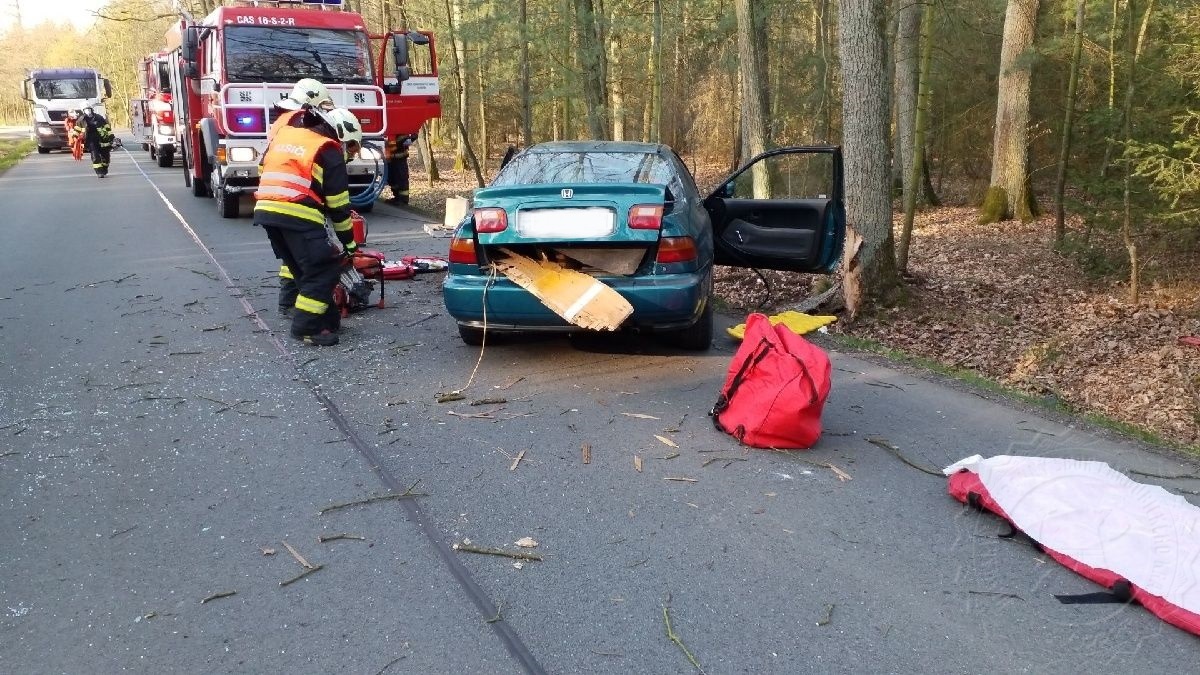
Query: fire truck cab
[151, 116]
[229, 69]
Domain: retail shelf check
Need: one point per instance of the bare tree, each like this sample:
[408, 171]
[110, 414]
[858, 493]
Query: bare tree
[1060, 184]
[754, 109]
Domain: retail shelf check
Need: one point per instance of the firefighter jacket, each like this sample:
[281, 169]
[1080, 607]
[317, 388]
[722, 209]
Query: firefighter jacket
[304, 181]
[95, 130]
[396, 147]
[285, 119]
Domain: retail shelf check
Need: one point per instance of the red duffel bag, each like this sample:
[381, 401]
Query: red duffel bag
[774, 390]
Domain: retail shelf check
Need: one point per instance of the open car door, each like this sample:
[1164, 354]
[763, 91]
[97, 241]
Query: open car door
[783, 210]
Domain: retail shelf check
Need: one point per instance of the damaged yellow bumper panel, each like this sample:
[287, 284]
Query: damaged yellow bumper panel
[580, 299]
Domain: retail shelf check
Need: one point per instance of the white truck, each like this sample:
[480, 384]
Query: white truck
[53, 92]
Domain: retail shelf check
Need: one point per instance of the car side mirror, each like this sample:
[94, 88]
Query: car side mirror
[107, 88]
[400, 56]
[25, 89]
[188, 46]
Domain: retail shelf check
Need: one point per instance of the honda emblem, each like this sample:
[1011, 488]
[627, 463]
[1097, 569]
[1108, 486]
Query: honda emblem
[567, 193]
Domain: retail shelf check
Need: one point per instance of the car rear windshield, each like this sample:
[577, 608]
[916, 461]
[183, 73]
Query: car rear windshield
[532, 168]
[65, 88]
[275, 54]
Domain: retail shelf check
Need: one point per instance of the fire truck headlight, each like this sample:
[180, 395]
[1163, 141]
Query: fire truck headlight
[242, 154]
[45, 130]
[369, 154]
[165, 130]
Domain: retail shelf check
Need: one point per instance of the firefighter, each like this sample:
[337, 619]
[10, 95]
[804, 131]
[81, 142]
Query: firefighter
[97, 138]
[303, 183]
[74, 142]
[312, 93]
[395, 151]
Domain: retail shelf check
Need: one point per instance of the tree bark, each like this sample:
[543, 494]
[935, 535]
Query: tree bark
[1064, 155]
[592, 63]
[1009, 194]
[454, 17]
[655, 134]
[920, 120]
[526, 101]
[908, 24]
[754, 115]
[617, 82]
[1127, 132]
[869, 261]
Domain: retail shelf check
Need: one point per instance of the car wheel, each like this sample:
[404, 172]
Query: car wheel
[165, 159]
[43, 151]
[471, 336]
[696, 337]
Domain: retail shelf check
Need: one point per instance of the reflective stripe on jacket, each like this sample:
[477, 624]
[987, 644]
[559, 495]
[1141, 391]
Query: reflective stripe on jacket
[289, 169]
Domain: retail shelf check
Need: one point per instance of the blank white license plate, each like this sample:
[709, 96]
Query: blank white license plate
[594, 221]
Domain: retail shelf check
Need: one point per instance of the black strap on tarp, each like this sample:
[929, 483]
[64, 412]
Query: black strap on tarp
[1121, 593]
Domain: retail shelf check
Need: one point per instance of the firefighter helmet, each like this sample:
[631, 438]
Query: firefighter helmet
[346, 125]
[307, 92]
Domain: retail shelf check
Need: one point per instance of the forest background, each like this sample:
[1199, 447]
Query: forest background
[1045, 235]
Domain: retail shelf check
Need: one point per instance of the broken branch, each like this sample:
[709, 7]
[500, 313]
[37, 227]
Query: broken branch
[321, 539]
[675, 638]
[300, 576]
[217, 596]
[299, 558]
[520, 555]
[371, 500]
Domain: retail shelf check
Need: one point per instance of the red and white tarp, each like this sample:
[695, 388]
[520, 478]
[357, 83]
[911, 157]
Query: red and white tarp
[1098, 523]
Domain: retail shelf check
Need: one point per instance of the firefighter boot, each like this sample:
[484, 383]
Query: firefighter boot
[326, 338]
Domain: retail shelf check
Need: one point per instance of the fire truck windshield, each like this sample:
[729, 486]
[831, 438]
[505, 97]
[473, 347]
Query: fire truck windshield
[65, 88]
[276, 54]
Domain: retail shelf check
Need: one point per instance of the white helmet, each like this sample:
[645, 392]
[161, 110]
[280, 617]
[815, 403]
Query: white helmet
[307, 92]
[346, 124]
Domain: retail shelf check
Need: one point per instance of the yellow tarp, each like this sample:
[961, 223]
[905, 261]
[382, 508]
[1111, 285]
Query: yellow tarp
[797, 322]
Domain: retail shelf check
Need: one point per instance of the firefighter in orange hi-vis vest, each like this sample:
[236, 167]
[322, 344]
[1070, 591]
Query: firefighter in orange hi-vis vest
[312, 93]
[303, 184]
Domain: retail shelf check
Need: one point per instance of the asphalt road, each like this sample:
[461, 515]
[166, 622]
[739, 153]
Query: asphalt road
[163, 438]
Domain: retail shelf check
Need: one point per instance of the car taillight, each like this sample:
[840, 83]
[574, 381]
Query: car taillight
[490, 220]
[166, 117]
[676, 250]
[462, 250]
[645, 217]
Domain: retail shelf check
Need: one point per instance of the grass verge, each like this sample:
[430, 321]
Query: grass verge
[12, 151]
[987, 384]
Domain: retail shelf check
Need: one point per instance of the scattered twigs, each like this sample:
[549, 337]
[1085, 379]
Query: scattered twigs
[300, 576]
[506, 386]
[321, 539]
[881, 442]
[586, 451]
[452, 396]
[489, 401]
[841, 475]
[390, 664]
[678, 425]
[681, 479]
[117, 533]
[371, 500]
[728, 460]
[217, 596]
[471, 548]
[421, 320]
[499, 616]
[673, 637]
[299, 558]
[9, 453]
[517, 460]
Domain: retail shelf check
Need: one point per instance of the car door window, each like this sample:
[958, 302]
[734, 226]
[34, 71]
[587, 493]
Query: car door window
[786, 176]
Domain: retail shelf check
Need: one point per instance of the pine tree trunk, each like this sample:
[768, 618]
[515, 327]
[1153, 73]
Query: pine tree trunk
[869, 262]
[754, 109]
[1127, 133]
[616, 82]
[655, 134]
[526, 101]
[591, 61]
[454, 16]
[1009, 194]
[1064, 155]
[917, 141]
[825, 110]
[908, 24]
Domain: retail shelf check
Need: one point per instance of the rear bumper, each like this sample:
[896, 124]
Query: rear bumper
[663, 302]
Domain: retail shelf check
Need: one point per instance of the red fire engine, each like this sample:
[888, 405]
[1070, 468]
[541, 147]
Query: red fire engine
[229, 69]
[150, 115]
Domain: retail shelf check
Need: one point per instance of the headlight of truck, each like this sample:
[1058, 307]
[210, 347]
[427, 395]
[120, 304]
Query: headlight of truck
[45, 130]
[166, 130]
[242, 154]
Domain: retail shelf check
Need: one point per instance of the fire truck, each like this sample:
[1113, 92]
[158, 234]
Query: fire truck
[229, 69]
[151, 116]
